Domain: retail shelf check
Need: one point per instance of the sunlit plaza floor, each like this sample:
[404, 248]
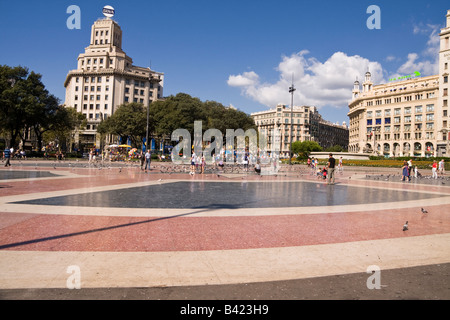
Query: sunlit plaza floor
[232, 235]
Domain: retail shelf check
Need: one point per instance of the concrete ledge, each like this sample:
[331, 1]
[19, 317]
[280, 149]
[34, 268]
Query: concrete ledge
[337, 155]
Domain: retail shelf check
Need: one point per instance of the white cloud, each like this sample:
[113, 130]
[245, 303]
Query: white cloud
[428, 61]
[390, 58]
[246, 79]
[317, 83]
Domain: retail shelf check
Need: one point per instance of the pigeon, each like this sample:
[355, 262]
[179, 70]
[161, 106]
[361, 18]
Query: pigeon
[405, 226]
[424, 211]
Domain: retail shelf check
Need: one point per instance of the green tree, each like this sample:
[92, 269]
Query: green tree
[25, 104]
[12, 100]
[129, 121]
[305, 147]
[63, 123]
[336, 148]
[182, 110]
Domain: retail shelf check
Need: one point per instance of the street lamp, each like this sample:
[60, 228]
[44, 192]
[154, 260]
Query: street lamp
[146, 134]
[291, 91]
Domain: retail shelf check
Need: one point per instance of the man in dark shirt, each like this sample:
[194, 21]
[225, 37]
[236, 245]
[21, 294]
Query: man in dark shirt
[7, 155]
[331, 168]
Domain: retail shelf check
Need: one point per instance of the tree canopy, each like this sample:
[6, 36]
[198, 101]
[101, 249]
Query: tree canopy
[26, 105]
[129, 120]
[182, 110]
[305, 147]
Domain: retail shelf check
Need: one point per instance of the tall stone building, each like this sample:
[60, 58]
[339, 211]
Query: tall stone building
[403, 117]
[307, 125]
[106, 78]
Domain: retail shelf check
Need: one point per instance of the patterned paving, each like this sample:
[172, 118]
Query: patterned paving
[122, 227]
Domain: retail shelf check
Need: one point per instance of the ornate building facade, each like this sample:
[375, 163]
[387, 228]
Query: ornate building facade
[307, 125]
[106, 78]
[403, 118]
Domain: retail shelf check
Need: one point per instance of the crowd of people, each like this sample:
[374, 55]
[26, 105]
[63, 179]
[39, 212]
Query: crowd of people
[198, 163]
[408, 170]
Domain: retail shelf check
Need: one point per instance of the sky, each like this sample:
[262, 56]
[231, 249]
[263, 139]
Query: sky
[241, 53]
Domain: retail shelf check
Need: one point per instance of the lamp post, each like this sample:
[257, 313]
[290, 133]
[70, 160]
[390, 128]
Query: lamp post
[146, 134]
[291, 91]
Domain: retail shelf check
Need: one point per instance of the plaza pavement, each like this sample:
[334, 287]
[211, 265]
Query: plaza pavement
[128, 234]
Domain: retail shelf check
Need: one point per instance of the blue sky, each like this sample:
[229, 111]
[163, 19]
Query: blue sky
[241, 53]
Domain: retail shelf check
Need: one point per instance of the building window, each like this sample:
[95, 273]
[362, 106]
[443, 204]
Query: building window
[430, 107]
[445, 79]
[430, 117]
[418, 109]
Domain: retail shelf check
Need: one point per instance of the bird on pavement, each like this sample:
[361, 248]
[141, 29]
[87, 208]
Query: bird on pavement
[405, 226]
[424, 211]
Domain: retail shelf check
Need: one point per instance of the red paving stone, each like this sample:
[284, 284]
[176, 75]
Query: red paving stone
[86, 233]
[53, 232]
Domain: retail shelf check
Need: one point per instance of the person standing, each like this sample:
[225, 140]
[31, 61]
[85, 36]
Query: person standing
[441, 167]
[142, 158]
[340, 166]
[203, 164]
[331, 167]
[434, 170]
[409, 169]
[405, 171]
[148, 160]
[193, 158]
[7, 156]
